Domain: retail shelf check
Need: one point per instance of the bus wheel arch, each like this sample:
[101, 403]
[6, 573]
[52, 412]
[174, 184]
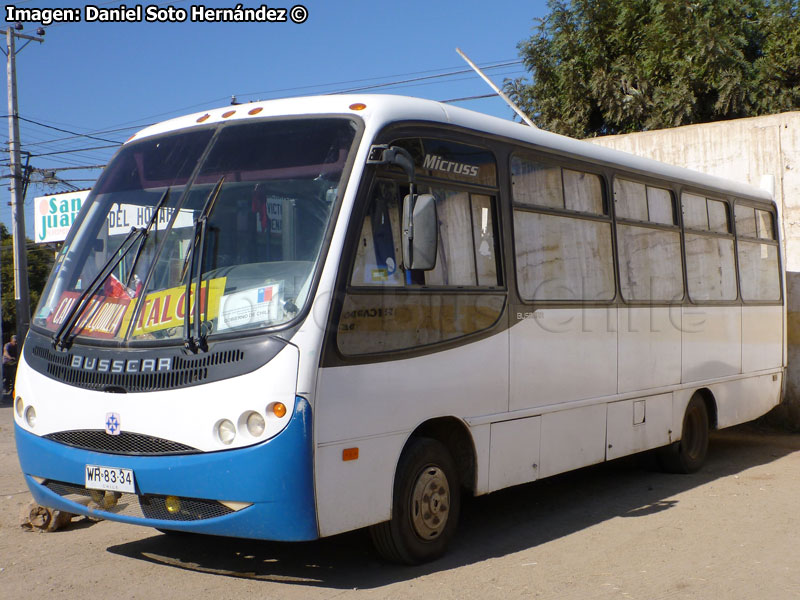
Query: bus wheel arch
[437, 460]
[455, 436]
[688, 454]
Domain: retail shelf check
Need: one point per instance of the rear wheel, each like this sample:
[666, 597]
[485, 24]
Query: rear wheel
[425, 506]
[689, 453]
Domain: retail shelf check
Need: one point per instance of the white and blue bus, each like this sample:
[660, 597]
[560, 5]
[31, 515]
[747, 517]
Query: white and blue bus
[291, 319]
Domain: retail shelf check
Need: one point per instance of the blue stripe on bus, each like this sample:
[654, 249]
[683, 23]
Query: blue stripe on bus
[276, 476]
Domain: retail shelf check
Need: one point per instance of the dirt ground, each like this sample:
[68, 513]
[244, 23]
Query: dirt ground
[618, 530]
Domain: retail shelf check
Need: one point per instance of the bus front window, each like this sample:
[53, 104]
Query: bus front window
[274, 184]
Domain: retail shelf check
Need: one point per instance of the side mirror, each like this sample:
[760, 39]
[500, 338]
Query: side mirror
[420, 232]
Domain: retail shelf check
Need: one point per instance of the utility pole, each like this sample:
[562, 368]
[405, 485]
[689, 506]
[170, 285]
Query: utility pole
[21, 294]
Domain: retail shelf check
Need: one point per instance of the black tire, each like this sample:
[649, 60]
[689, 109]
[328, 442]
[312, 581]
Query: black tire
[425, 505]
[689, 453]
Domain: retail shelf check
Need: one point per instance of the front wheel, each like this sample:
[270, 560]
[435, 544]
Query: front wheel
[688, 454]
[425, 506]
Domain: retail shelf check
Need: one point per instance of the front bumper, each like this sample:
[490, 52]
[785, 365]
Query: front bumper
[274, 477]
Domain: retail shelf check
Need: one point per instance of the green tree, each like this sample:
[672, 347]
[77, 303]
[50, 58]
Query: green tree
[602, 67]
[40, 261]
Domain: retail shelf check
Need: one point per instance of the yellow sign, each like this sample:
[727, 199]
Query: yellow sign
[165, 308]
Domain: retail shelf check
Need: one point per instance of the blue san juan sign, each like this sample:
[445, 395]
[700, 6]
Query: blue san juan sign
[55, 214]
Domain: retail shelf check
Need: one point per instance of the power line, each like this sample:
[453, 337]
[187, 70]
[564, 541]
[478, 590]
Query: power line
[80, 168]
[28, 246]
[323, 85]
[424, 78]
[415, 80]
[84, 135]
[183, 109]
[465, 98]
[75, 133]
[76, 150]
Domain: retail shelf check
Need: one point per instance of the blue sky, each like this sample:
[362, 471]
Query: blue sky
[110, 79]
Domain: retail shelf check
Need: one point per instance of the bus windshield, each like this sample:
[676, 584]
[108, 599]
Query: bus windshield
[267, 190]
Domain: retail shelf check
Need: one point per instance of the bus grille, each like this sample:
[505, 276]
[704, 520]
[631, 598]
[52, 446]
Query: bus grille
[143, 507]
[186, 371]
[124, 443]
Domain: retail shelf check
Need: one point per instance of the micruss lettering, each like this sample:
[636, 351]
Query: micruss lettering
[437, 163]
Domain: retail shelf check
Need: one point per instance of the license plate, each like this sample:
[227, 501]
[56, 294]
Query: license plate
[110, 478]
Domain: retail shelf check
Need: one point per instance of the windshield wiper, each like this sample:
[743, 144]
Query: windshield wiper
[194, 340]
[135, 235]
[60, 340]
[143, 239]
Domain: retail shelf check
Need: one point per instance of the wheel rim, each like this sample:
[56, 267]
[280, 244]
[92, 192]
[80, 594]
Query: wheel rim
[430, 503]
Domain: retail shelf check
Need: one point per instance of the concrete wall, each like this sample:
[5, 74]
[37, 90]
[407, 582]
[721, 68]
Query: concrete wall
[745, 150]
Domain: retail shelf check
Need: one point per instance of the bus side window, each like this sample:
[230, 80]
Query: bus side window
[467, 254]
[379, 253]
[455, 258]
[759, 266]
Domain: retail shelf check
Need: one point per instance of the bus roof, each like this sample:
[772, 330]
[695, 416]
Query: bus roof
[380, 110]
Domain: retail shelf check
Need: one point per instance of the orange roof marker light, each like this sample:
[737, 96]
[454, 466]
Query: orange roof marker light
[358, 106]
[203, 118]
[255, 111]
[228, 114]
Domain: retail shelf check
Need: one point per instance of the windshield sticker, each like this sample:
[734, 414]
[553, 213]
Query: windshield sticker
[275, 213]
[122, 217]
[103, 317]
[165, 308]
[256, 305]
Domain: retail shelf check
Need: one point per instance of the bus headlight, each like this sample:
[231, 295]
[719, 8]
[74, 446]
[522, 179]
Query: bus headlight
[19, 405]
[255, 424]
[30, 416]
[226, 431]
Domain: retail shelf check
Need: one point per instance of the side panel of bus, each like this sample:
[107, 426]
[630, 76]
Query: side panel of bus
[623, 301]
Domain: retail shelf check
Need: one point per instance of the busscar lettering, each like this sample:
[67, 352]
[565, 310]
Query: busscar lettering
[133, 365]
[45, 16]
[438, 163]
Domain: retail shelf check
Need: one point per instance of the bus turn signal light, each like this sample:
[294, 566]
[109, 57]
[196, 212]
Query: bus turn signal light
[350, 454]
[279, 409]
[358, 106]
